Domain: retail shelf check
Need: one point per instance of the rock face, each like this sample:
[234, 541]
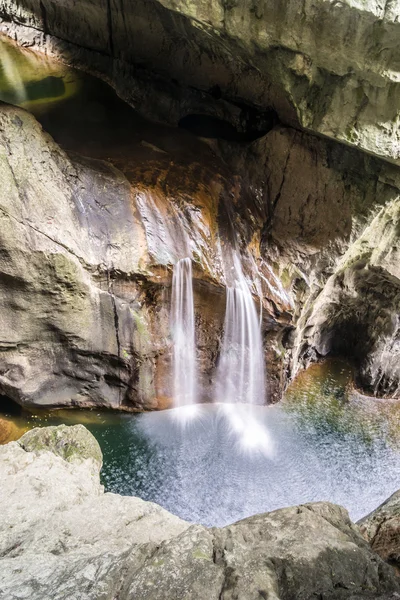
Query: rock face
[85, 322]
[86, 254]
[382, 530]
[63, 537]
[60, 320]
[87, 247]
[329, 218]
[356, 314]
[330, 67]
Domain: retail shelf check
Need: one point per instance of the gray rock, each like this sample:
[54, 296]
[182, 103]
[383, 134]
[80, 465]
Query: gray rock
[382, 530]
[329, 67]
[73, 444]
[85, 263]
[356, 313]
[65, 336]
[63, 537]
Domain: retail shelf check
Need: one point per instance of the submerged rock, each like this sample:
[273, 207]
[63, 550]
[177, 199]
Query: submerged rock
[63, 537]
[9, 431]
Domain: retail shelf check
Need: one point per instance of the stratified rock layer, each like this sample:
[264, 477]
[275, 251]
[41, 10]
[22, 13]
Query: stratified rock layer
[330, 67]
[63, 537]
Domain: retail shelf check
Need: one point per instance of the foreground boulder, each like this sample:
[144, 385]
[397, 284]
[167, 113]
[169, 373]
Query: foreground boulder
[62, 537]
[71, 443]
[382, 530]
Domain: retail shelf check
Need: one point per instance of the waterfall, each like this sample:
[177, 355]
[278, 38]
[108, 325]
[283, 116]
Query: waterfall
[240, 372]
[183, 335]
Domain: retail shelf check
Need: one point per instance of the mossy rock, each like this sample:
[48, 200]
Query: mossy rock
[73, 444]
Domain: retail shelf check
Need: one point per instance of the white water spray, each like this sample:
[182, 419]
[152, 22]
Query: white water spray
[183, 335]
[240, 373]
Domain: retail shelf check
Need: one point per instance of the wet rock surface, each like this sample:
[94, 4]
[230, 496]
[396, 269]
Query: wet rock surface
[89, 243]
[328, 218]
[88, 246]
[74, 540]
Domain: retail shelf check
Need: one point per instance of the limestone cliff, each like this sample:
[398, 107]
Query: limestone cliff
[315, 218]
[331, 67]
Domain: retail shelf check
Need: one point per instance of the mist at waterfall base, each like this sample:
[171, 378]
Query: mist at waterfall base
[201, 472]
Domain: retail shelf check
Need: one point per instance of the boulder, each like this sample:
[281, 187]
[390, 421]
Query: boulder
[63, 537]
[73, 444]
[59, 528]
[382, 530]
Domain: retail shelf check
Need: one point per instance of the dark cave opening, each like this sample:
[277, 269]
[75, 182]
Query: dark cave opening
[211, 127]
[8, 407]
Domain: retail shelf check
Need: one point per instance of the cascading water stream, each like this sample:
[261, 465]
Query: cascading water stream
[240, 379]
[240, 372]
[183, 335]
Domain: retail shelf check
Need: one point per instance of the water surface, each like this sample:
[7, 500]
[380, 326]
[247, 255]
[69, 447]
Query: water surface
[228, 462]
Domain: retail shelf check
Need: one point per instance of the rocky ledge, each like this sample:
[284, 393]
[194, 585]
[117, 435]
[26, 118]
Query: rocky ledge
[328, 66]
[63, 537]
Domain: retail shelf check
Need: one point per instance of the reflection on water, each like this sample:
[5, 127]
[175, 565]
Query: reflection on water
[323, 399]
[221, 464]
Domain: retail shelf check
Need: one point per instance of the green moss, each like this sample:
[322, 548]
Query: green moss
[200, 554]
[140, 323]
[158, 563]
[73, 444]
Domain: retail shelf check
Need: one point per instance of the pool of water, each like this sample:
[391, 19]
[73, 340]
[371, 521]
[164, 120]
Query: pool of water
[225, 462]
